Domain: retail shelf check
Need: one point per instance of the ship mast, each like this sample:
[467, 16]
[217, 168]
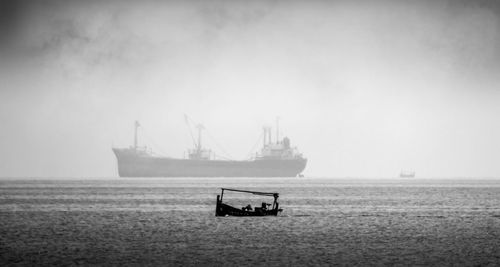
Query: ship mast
[270, 139]
[136, 126]
[277, 130]
[265, 135]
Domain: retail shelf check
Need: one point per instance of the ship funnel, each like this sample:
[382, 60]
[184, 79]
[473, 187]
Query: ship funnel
[286, 142]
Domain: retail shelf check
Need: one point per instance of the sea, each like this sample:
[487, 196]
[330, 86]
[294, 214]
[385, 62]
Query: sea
[325, 222]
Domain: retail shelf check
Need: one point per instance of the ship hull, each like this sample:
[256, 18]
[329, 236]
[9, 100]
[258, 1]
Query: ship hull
[130, 164]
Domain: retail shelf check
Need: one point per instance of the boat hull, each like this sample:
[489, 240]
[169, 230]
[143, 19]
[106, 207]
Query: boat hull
[226, 210]
[132, 164]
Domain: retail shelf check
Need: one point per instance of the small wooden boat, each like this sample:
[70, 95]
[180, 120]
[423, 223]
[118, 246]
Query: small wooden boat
[223, 209]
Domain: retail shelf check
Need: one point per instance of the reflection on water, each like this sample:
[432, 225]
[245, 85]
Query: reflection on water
[325, 221]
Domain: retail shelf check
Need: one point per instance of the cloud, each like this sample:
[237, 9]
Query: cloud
[357, 81]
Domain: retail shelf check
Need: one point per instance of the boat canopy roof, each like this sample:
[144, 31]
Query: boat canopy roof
[251, 192]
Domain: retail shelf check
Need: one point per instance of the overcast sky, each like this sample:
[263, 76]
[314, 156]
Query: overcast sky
[363, 88]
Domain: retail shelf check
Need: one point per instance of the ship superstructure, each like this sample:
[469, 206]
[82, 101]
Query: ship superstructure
[275, 159]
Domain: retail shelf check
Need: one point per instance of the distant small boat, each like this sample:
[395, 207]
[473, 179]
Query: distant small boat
[407, 174]
[265, 209]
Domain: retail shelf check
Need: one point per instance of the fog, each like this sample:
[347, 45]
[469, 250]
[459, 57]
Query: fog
[362, 88]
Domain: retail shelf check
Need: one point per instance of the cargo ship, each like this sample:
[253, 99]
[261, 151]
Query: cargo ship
[275, 159]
